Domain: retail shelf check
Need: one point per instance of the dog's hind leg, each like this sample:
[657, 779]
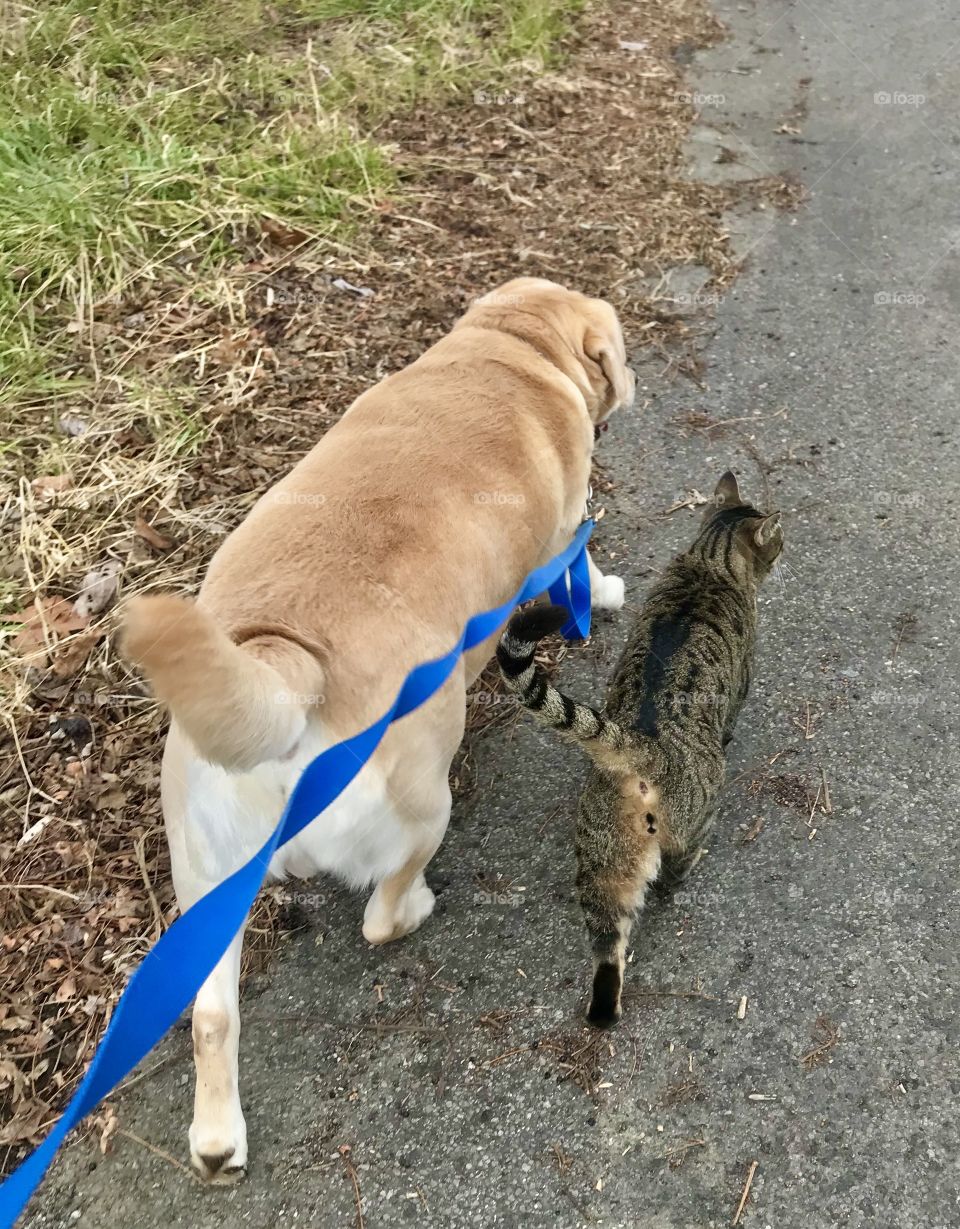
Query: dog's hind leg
[218, 1134]
[401, 901]
[417, 763]
[200, 858]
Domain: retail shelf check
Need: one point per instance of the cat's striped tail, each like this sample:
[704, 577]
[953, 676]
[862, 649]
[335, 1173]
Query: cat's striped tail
[601, 738]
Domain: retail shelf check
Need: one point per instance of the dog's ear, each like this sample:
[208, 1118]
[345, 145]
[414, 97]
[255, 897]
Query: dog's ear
[606, 350]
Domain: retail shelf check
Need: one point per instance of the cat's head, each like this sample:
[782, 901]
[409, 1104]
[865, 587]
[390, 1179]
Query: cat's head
[737, 536]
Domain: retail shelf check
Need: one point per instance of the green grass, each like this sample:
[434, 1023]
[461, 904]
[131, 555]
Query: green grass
[136, 137]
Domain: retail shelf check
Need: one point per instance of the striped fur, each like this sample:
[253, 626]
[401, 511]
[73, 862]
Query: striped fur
[671, 707]
[528, 681]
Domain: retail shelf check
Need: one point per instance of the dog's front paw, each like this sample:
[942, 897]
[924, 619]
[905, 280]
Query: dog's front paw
[609, 593]
[218, 1151]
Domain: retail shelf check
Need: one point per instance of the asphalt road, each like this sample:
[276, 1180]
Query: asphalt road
[464, 1107]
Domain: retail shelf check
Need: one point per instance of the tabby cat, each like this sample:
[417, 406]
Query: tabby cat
[658, 748]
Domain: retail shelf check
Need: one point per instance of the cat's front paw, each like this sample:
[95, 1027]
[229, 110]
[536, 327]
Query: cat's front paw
[609, 593]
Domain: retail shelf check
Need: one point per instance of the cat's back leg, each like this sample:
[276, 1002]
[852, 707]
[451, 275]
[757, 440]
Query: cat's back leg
[676, 865]
[618, 856]
[692, 812]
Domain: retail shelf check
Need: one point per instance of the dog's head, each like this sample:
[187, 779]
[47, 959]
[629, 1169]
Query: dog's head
[581, 335]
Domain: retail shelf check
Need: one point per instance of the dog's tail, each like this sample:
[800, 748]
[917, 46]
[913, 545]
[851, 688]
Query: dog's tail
[601, 738]
[238, 704]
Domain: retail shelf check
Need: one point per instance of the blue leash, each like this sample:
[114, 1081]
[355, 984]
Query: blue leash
[183, 957]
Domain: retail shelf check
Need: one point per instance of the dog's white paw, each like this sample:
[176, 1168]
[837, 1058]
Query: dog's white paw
[609, 593]
[419, 903]
[412, 909]
[218, 1150]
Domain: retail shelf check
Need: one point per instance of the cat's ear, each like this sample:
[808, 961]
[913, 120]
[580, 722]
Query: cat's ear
[727, 494]
[768, 529]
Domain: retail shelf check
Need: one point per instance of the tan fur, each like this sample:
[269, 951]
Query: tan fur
[252, 701]
[648, 838]
[433, 496]
[429, 501]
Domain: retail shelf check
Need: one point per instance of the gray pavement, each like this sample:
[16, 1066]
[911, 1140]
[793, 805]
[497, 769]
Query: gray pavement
[479, 1099]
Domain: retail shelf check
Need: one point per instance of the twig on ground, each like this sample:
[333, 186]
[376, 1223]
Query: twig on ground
[746, 1192]
[693, 500]
[351, 1171]
[751, 833]
[905, 628]
[808, 723]
[151, 895]
[826, 1034]
[172, 1160]
[500, 1058]
[676, 1155]
[825, 806]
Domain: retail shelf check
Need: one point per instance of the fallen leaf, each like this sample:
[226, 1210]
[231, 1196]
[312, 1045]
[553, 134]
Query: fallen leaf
[24, 1125]
[66, 990]
[56, 613]
[48, 485]
[72, 657]
[156, 539]
[286, 236]
[228, 349]
[114, 799]
[693, 500]
[110, 1124]
[12, 1076]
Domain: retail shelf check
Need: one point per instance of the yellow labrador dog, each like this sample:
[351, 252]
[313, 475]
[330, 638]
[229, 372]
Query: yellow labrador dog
[429, 501]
